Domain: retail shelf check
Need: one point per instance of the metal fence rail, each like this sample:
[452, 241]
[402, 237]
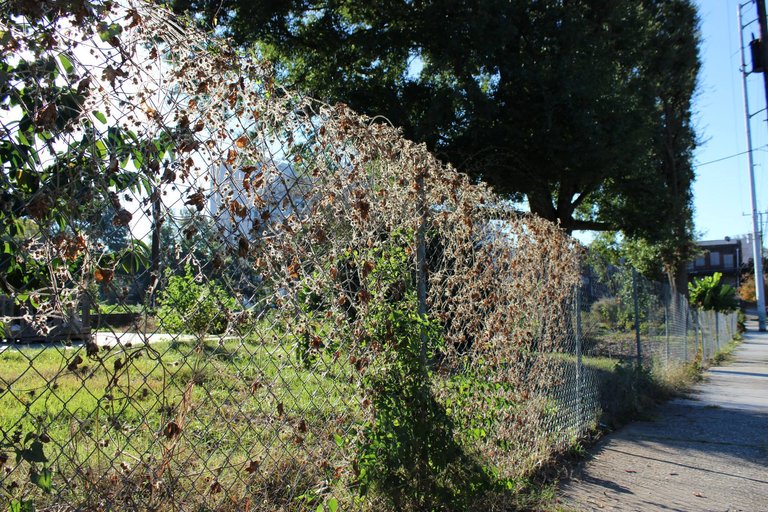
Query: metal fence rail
[218, 294]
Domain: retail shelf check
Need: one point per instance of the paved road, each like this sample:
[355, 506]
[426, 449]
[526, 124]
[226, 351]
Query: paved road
[705, 453]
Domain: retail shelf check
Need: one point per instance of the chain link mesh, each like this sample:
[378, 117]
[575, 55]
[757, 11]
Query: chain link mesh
[668, 331]
[219, 294]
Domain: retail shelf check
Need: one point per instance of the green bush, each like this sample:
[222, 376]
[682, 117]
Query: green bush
[606, 312]
[187, 306]
[710, 294]
[411, 444]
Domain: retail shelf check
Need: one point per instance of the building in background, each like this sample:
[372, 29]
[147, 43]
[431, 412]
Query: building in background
[728, 256]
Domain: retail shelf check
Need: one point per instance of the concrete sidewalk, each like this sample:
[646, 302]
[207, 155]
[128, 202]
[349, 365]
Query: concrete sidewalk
[705, 453]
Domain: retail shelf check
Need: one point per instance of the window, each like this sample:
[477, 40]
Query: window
[714, 259]
[699, 261]
[728, 261]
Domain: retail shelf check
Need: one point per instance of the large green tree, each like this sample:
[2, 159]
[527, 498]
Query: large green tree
[581, 107]
[66, 169]
[675, 72]
[576, 105]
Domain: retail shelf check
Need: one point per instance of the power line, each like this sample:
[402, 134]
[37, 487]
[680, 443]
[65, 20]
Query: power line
[729, 156]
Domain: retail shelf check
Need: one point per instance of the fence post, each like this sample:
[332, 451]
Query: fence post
[637, 317]
[717, 330]
[667, 303]
[579, 363]
[687, 327]
[154, 265]
[86, 313]
[696, 335]
[421, 267]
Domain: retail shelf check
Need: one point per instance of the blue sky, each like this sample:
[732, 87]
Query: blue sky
[721, 191]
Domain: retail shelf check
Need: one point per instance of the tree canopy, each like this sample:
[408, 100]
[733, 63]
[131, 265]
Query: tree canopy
[581, 107]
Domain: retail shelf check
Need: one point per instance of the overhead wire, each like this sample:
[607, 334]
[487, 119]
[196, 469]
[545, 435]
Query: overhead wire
[759, 148]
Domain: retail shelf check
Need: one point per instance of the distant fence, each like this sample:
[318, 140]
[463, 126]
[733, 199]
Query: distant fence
[667, 331]
[328, 318]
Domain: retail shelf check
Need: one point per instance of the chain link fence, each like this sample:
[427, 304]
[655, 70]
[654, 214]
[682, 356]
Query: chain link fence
[667, 332]
[218, 294]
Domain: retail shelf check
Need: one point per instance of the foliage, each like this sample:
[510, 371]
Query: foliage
[191, 305]
[747, 287]
[741, 320]
[709, 294]
[28, 449]
[608, 312]
[189, 235]
[611, 248]
[675, 76]
[114, 237]
[66, 170]
[614, 306]
[582, 108]
[629, 392]
[221, 366]
[388, 404]
[410, 445]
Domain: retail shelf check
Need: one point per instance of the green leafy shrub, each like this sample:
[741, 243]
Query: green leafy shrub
[109, 309]
[606, 312]
[187, 306]
[710, 294]
[411, 457]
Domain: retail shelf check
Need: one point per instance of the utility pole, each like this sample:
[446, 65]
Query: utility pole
[761, 21]
[757, 248]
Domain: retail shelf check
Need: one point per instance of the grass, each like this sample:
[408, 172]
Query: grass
[192, 418]
[201, 421]
[244, 423]
[107, 309]
[726, 353]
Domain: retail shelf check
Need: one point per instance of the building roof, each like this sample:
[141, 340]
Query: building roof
[726, 241]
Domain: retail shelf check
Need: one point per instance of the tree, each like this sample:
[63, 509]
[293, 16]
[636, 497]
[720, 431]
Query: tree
[676, 71]
[609, 249]
[63, 158]
[581, 107]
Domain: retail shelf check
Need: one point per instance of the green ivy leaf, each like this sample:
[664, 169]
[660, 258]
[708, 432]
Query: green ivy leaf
[101, 117]
[66, 64]
[107, 32]
[34, 453]
[333, 505]
[21, 506]
[43, 480]
[22, 139]
[102, 148]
